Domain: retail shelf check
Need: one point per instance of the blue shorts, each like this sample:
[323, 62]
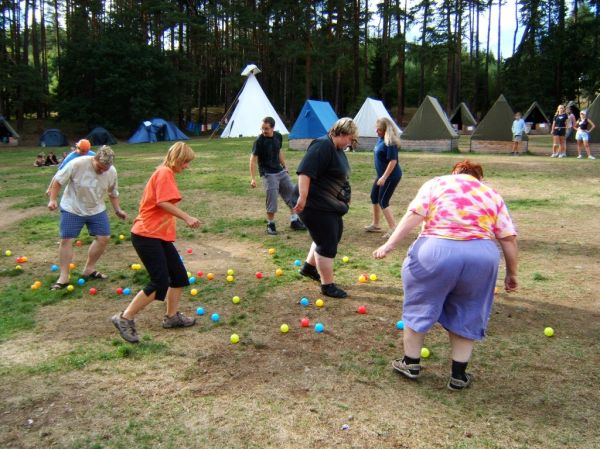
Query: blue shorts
[582, 135]
[451, 282]
[71, 224]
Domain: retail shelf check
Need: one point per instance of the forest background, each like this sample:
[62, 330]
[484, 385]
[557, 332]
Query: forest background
[116, 62]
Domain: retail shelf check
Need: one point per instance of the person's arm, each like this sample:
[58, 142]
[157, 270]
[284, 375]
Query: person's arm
[117, 207]
[303, 186]
[388, 171]
[591, 127]
[53, 190]
[253, 159]
[172, 209]
[510, 250]
[282, 160]
[407, 224]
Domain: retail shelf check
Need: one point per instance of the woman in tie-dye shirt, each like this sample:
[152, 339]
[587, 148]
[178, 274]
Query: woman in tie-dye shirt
[450, 271]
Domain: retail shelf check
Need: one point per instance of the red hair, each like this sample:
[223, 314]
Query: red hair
[467, 167]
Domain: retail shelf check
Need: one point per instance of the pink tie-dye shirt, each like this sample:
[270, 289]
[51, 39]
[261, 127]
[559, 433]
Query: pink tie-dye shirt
[459, 207]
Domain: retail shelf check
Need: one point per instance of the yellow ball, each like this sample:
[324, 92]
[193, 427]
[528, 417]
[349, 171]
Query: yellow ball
[18, 267]
[235, 338]
[230, 272]
[284, 328]
[373, 277]
[425, 353]
[8, 253]
[189, 274]
[271, 251]
[38, 283]
[362, 279]
[70, 288]
[34, 287]
[72, 266]
[548, 332]
[278, 272]
[210, 276]
[230, 279]
[345, 259]
[319, 302]
[193, 292]
[235, 300]
[121, 237]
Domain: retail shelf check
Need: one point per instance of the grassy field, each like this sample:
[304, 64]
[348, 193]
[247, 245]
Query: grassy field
[69, 381]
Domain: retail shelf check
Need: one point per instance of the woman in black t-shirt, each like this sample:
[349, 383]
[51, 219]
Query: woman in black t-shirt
[323, 198]
[559, 129]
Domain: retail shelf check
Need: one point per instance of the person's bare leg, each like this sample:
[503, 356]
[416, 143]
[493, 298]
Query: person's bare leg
[97, 248]
[137, 304]
[65, 256]
[310, 258]
[579, 143]
[172, 300]
[389, 217]
[586, 144]
[462, 347]
[376, 215]
[325, 267]
[413, 342]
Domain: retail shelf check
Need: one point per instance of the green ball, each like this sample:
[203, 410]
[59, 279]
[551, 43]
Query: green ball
[425, 353]
[548, 332]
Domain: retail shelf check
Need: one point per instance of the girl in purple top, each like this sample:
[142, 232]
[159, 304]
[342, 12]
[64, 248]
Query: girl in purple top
[449, 274]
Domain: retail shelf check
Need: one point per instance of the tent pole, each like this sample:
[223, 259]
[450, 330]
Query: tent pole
[227, 113]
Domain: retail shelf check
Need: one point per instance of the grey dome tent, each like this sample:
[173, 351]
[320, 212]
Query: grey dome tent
[53, 138]
[7, 133]
[429, 129]
[100, 136]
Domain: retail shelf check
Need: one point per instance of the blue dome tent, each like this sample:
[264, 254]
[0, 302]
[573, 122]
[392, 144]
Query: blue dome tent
[53, 138]
[157, 130]
[314, 120]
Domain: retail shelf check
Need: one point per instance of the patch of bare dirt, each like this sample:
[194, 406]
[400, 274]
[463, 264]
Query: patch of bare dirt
[10, 216]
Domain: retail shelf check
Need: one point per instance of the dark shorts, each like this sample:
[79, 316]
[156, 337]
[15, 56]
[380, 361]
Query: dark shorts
[451, 282]
[382, 195]
[163, 263]
[559, 132]
[325, 229]
[71, 224]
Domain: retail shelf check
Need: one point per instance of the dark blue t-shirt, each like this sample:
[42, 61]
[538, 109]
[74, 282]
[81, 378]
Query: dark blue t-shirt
[267, 150]
[383, 155]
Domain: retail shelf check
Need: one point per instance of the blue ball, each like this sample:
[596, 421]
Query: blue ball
[192, 280]
[54, 268]
[215, 317]
[304, 302]
[297, 262]
[126, 291]
[81, 281]
[200, 311]
[400, 325]
[319, 327]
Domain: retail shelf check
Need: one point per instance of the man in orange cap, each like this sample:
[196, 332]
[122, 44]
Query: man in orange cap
[82, 148]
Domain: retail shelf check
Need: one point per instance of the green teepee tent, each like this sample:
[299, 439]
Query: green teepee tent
[497, 123]
[429, 123]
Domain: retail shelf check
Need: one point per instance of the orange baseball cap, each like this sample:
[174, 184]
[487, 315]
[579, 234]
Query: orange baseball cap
[84, 145]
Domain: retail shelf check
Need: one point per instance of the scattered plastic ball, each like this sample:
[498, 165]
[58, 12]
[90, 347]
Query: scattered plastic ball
[80, 281]
[119, 291]
[121, 237]
[200, 311]
[548, 332]
[304, 322]
[189, 275]
[345, 259]
[235, 299]
[34, 287]
[54, 267]
[192, 280]
[304, 302]
[21, 259]
[215, 317]
[278, 272]
[234, 339]
[319, 302]
[230, 279]
[319, 327]
[362, 279]
[373, 277]
[210, 276]
[38, 283]
[362, 310]
[190, 250]
[425, 353]
[136, 266]
[8, 253]
[193, 292]
[72, 266]
[297, 262]
[284, 328]
[200, 274]
[258, 275]
[400, 325]
[93, 291]
[126, 291]
[78, 243]
[18, 267]
[70, 288]
[271, 251]
[230, 272]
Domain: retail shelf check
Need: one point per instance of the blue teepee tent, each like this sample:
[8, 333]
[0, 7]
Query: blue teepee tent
[314, 120]
[157, 130]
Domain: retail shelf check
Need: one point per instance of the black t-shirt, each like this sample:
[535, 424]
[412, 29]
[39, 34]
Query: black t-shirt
[267, 150]
[560, 120]
[328, 170]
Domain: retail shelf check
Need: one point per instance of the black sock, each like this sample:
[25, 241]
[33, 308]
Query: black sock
[458, 370]
[308, 267]
[410, 361]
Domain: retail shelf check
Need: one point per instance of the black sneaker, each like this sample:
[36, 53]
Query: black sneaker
[310, 271]
[459, 384]
[297, 225]
[333, 291]
[271, 229]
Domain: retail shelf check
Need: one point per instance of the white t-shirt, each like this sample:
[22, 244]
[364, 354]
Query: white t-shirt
[84, 188]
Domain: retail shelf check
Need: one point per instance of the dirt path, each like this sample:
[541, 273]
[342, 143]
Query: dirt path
[10, 216]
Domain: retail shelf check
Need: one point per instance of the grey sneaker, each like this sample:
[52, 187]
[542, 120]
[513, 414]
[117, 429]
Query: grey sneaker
[459, 384]
[126, 328]
[178, 320]
[411, 371]
[271, 229]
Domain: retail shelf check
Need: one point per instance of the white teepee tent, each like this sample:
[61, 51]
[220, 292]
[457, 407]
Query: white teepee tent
[252, 107]
[369, 112]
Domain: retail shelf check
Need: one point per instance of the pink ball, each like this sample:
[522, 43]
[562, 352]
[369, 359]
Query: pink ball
[258, 275]
[362, 310]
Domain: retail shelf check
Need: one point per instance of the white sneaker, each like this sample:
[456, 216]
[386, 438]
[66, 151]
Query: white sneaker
[591, 157]
[580, 157]
[554, 155]
[561, 155]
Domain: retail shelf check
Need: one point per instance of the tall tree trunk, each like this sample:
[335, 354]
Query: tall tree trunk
[400, 70]
[356, 45]
[423, 51]
[499, 54]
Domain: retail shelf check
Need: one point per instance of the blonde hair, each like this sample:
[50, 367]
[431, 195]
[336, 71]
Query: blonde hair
[558, 107]
[391, 136]
[178, 154]
[344, 126]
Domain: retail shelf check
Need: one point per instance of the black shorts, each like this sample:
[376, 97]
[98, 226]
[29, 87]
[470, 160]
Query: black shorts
[163, 263]
[325, 229]
[559, 132]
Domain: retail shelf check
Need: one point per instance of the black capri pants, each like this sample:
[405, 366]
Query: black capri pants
[382, 195]
[163, 263]
[325, 229]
